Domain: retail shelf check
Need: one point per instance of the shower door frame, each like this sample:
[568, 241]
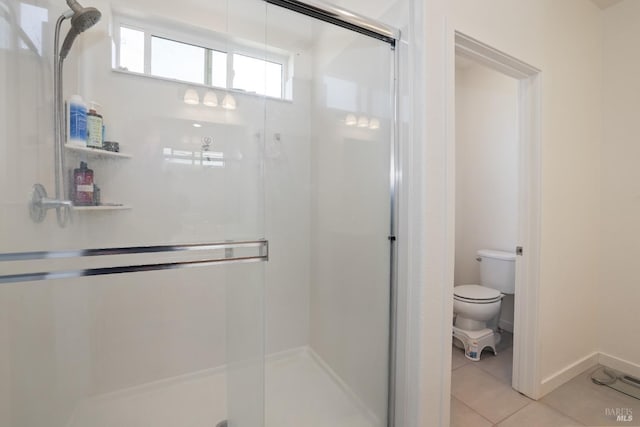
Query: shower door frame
[375, 29]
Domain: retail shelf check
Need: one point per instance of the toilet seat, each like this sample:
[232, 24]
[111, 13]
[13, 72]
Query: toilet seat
[476, 294]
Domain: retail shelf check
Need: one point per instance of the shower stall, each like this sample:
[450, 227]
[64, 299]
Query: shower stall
[238, 266]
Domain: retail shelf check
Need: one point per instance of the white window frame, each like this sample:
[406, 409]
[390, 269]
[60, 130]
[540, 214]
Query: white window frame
[207, 40]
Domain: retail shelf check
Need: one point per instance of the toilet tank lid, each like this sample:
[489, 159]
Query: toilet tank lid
[475, 292]
[490, 253]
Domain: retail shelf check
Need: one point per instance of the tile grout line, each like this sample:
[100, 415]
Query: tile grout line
[560, 412]
[474, 411]
[461, 366]
[511, 415]
[500, 381]
[478, 365]
[495, 376]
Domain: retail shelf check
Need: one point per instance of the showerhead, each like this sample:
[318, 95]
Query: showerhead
[86, 18]
[82, 19]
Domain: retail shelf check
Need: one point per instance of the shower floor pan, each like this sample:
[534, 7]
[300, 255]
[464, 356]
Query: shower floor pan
[300, 391]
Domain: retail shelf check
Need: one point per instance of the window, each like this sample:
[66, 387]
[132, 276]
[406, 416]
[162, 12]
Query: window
[132, 50]
[157, 54]
[257, 75]
[177, 60]
[218, 68]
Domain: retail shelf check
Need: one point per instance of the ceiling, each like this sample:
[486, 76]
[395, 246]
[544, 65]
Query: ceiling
[603, 4]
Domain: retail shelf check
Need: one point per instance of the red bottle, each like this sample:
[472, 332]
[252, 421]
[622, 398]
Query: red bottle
[83, 185]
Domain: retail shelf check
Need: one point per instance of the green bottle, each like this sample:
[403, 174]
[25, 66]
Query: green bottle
[94, 127]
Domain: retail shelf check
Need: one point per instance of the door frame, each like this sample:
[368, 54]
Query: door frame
[526, 355]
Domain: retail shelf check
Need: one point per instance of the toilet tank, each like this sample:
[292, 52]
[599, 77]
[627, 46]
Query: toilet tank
[498, 270]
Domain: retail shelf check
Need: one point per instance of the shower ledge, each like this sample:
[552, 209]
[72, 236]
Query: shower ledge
[100, 208]
[94, 152]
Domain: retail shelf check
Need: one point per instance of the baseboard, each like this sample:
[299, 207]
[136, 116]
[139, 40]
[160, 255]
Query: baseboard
[621, 365]
[556, 380]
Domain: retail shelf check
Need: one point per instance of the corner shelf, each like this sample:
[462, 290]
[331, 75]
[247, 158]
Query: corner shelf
[94, 152]
[102, 208]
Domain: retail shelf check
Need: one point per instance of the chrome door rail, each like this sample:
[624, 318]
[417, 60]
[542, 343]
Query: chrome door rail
[227, 257]
[342, 18]
[23, 256]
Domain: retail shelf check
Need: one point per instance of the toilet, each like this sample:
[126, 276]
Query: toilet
[475, 305]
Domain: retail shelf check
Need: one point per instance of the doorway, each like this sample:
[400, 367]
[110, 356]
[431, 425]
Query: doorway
[525, 378]
[486, 178]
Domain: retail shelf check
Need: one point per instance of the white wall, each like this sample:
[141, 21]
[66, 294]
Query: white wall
[486, 166]
[564, 40]
[486, 171]
[619, 291]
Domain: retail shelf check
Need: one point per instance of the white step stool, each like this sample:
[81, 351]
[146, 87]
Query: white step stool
[476, 341]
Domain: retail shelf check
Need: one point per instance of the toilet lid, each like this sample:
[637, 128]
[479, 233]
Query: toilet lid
[476, 292]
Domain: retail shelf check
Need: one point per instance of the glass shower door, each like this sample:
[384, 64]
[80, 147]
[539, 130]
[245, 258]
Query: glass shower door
[246, 133]
[329, 179]
[147, 307]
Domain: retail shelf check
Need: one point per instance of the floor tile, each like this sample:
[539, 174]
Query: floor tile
[538, 415]
[499, 366]
[458, 358]
[463, 416]
[591, 404]
[485, 394]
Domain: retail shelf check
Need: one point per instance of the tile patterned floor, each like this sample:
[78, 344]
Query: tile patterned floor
[481, 396]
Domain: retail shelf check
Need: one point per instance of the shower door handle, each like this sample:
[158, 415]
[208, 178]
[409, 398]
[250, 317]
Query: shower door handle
[100, 262]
